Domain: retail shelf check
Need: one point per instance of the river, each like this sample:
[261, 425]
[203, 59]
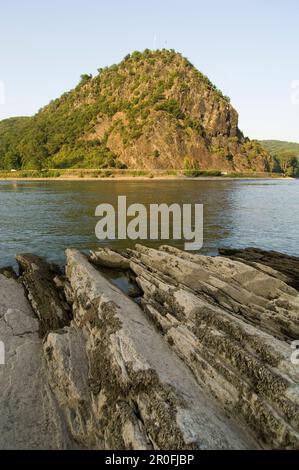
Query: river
[46, 217]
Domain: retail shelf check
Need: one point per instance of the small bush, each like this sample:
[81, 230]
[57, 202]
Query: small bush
[195, 173]
[106, 174]
[192, 173]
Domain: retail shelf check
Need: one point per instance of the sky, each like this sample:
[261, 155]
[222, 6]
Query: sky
[248, 49]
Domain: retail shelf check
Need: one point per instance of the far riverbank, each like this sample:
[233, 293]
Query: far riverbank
[132, 175]
[142, 178]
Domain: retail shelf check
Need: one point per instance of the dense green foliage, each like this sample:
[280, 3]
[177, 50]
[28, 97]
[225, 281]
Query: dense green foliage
[285, 155]
[63, 134]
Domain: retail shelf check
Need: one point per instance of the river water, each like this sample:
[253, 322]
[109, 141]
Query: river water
[46, 217]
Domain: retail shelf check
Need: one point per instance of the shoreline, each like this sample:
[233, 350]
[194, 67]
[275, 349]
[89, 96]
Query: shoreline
[147, 178]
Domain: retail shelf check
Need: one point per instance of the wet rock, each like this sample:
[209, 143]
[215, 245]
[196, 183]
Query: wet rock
[38, 278]
[8, 272]
[134, 292]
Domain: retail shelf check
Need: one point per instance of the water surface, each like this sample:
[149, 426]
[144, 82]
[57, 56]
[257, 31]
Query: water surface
[46, 217]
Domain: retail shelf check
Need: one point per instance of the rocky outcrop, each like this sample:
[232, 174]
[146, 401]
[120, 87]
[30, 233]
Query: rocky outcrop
[137, 392]
[201, 359]
[153, 110]
[242, 290]
[231, 324]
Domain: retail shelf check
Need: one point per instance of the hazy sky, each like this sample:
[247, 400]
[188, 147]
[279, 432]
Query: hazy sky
[249, 49]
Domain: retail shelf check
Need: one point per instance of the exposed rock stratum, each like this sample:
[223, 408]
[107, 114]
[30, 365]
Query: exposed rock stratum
[199, 359]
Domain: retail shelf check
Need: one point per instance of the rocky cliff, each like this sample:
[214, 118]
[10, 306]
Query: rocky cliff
[153, 110]
[196, 354]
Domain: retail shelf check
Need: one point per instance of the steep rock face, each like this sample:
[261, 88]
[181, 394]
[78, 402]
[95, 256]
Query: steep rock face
[188, 121]
[153, 110]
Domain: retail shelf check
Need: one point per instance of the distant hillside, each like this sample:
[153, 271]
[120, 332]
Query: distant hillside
[285, 154]
[153, 110]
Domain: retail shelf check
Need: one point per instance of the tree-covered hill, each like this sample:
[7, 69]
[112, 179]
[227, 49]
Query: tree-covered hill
[153, 110]
[285, 154]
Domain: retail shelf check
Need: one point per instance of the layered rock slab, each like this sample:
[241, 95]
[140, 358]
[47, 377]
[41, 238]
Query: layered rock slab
[203, 361]
[279, 265]
[141, 395]
[232, 325]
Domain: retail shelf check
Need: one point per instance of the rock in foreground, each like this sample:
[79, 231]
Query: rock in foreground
[201, 359]
[139, 394]
[29, 415]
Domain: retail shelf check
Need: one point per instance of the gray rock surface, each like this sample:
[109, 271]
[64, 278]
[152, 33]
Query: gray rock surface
[201, 360]
[141, 395]
[231, 324]
[29, 415]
